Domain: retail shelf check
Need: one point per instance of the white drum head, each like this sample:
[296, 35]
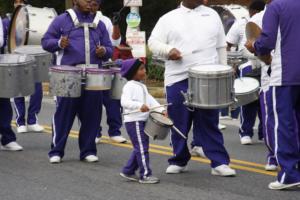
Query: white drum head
[210, 69]
[245, 85]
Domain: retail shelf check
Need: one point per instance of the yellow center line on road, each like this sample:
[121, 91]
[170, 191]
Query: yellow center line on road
[167, 151]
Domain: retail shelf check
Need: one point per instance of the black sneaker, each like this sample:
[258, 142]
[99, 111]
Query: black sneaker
[149, 180]
[130, 177]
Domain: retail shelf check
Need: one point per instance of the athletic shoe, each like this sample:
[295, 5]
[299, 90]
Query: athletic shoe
[91, 159]
[271, 167]
[198, 151]
[118, 139]
[149, 180]
[222, 126]
[225, 117]
[35, 128]
[279, 186]
[223, 170]
[98, 140]
[22, 129]
[246, 140]
[55, 159]
[12, 146]
[132, 177]
[175, 169]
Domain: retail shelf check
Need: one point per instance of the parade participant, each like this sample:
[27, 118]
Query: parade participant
[282, 19]
[62, 36]
[112, 106]
[249, 112]
[173, 35]
[266, 105]
[135, 96]
[8, 139]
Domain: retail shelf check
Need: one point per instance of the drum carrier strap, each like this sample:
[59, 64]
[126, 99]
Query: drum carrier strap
[86, 27]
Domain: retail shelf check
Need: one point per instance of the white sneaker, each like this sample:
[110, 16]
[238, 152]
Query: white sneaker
[35, 128]
[55, 159]
[279, 186]
[22, 129]
[269, 167]
[222, 126]
[12, 146]
[98, 140]
[91, 159]
[175, 169]
[225, 117]
[198, 151]
[223, 170]
[118, 139]
[246, 140]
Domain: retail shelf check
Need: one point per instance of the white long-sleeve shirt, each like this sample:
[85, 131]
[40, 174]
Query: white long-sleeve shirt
[237, 32]
[134, 96]
[198, 30]
[1, 34]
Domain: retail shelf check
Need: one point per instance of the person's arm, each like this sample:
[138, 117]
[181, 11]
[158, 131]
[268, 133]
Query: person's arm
[114, 33]
[267, 41]
[1, 34]
[221, 43]
[126, 99]
[106, 43]
[233, 36]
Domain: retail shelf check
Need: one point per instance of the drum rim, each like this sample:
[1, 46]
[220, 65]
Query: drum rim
[158, 122]
[98, 71]
[225, 71]
[27, 47]
[248, 92]
[65, 68]
[30, 61]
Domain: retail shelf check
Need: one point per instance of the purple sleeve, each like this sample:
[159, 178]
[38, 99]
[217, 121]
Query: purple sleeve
[105, 41]
[52, 36]
[267, 41]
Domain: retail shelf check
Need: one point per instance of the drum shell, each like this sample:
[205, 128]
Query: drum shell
[98, 81]
[43, 62]
[65, 84]
[17, 80]
[212, 91]
[246, 98]
[118, 83]
[156, 130]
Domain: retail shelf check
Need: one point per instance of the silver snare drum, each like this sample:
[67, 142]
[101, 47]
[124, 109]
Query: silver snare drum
[158, 126]
[210, 87]
[246, 90]
[43, 60]
[16, 75]
[65, 81]
[118, 83]
[98, 79]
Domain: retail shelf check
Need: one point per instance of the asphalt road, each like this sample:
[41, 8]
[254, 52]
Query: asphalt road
[28, 175]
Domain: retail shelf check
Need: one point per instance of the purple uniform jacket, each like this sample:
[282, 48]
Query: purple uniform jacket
[74, 54]
[282, 16]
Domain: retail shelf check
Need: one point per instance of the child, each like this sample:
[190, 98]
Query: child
[135, 96]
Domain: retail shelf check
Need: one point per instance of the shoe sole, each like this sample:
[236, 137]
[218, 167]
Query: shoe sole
[180, 172]
[128, 178]
[148, 182]
[14, 150]
[214, 173]
[286, 186]
[123, 142]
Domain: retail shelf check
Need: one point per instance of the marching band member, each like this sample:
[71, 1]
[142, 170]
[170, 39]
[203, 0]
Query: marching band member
[266, 104]
[62, 36]
[191, 27]
[280, 33]
[135, 96]
[249, 112]
[112, 106]
[8, 139]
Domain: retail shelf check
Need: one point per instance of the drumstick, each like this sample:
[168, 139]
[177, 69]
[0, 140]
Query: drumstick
[179, 132]
[151, 109]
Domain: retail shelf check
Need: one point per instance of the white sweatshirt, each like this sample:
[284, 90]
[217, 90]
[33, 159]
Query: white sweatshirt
[134, 96]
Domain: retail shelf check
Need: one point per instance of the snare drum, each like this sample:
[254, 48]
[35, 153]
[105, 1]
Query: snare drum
[65, 81]
[98, 79]
[16, 75]
[246, 90]
[158, 126]
[235, 58]
[118, 83]
[43, 60]
[28, 26]
[210, 87]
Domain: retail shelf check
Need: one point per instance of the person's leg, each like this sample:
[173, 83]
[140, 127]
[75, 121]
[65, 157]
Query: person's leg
[206, 128]
[285, 101]
[140, 156]
[260, 125]
[19, 105]
[235, 113]
[6, 115]
[35, 104]
[62, 122]
[89, 114]
[248, 117]
[182, 119]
